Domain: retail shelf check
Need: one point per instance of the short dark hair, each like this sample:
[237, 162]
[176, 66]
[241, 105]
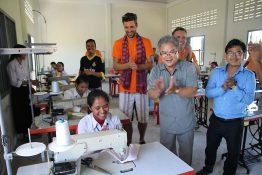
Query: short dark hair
[214, 62]
[129, 17]
[13, 56]
[95, 94]
[82, 78]
[60, 63]
[52, 62]
[90, 40]
[179, 29]
[236, 42]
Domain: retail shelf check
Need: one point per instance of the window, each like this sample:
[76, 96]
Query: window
[197, 44]
[254, 36]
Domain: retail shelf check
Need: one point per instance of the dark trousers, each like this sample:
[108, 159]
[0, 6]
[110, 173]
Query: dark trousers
[231, 130]
[21, 108]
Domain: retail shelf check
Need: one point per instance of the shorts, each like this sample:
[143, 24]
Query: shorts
[126, 104]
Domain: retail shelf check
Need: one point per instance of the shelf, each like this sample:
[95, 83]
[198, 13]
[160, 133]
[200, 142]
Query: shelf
[8, 51]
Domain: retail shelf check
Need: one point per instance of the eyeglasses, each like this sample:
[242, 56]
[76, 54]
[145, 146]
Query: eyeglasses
[166, 53]
[237, 54]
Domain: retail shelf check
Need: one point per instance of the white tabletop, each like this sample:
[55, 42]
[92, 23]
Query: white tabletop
[153, 159]
[253, 115]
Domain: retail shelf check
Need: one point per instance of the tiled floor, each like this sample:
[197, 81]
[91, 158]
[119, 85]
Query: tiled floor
[152, 134]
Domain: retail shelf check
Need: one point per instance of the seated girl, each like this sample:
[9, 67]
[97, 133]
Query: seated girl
[99, 119]
[80, 90]
[59, 72]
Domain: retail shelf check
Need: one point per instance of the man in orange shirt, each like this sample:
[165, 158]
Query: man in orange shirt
[185, 50]
[255, 51]
[133, 55]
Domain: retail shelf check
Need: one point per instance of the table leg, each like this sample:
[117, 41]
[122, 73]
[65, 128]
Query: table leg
[205, 111]
[110, 82]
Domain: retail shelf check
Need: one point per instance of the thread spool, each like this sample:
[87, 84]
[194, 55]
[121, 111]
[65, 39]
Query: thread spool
[62, 133]
[55, 87]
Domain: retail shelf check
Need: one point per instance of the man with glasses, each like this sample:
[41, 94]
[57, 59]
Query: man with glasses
[133, 57]
[175, 83]
[232, 88]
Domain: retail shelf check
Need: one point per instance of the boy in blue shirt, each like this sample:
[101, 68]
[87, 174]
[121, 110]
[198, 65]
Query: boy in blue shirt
[232, 88]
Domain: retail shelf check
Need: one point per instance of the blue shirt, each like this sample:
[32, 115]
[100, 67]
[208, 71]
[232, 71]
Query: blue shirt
[231, 103]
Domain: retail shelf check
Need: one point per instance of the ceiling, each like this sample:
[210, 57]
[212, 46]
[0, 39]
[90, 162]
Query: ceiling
[159, 1]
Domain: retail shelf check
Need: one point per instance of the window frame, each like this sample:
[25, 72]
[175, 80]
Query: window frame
[248, 39]
[200, 53]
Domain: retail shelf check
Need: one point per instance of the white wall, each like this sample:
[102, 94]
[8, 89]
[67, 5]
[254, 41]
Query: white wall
[71, 23]
[151, 19]
[240, 29]
[216, 37]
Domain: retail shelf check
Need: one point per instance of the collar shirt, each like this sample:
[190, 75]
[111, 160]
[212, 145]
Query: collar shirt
[177, 112]
[17, 72]
[89, 124]
[231, 103]
[59, 74]
[73, 94]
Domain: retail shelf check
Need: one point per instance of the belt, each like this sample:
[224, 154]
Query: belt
[227, 120]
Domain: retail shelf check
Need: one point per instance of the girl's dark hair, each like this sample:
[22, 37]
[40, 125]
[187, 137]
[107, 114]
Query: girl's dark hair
[61, 63]
[13, 56]
[83, 78]
[95, 94]
[215, 63]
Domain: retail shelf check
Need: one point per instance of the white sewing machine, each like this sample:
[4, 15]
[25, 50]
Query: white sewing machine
[89, 142]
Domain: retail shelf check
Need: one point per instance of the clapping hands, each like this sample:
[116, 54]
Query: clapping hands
[255, 51]
[159, 86]
[171, 86]
[229, 83]
[132, 65]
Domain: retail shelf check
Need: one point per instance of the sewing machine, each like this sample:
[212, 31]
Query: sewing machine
[86, 143]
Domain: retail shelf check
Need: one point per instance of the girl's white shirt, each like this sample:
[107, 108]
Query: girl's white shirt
[89, 124]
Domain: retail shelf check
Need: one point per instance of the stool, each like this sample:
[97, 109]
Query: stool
[114, 85]
[156, 112]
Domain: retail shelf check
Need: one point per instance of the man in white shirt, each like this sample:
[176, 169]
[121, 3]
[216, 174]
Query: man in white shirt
[18, 73]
